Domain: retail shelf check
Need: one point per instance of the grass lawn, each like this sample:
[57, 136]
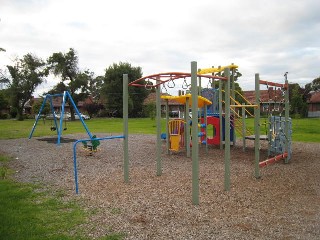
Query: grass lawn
[304, 130]
[30, 212]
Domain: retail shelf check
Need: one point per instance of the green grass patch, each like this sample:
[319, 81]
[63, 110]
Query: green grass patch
[11, 129]
[30, 212]
[304, 130]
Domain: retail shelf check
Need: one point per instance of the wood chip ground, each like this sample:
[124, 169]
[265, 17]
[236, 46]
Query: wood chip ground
[283, 204]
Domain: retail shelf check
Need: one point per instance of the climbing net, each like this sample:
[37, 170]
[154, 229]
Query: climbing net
[278, 138]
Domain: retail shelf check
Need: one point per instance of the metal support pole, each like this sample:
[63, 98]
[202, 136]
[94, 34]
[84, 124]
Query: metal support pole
[125, 129]
[195, 146]
[243, 127]
[167, 127]
[38, 116]
[233, 94]
[220, 112]
[187, 133]
[158, 109]
[257, 127]
[286, 113]
[227, 132]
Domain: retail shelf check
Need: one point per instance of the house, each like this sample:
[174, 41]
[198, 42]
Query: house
[314, 104]
[57, 103]
[270, 100]
[174, 106]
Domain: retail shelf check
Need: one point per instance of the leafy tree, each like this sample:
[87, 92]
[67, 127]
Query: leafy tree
[113, 89]
[95, 86]
[92, 108]
[4, 103]
[313, 86]
[37, 105]
[298, 106]
[65, 65]
[27, 73]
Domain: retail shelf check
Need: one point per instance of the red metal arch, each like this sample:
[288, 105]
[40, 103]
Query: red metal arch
[168, 76]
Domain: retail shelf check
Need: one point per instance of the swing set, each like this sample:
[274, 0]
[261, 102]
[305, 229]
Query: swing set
[59, 127]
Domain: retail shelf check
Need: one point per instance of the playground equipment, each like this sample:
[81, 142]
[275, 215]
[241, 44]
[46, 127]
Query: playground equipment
[65, 96]
[176, 134]
[124, 137]
[184, 131]
[163, 78]
[279, 134]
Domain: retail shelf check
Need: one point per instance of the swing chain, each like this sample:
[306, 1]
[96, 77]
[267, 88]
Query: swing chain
[164, 88]
[185, 84]
[171, 85]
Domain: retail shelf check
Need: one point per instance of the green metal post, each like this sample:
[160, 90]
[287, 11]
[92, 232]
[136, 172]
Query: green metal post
[243, 127]
[167, 127]
[257, 127]
[227, 132]
[220, 111]
[187, 133]
[233, 94]
[286, 113]
[158, 110]
[125, 129]
[195, 146]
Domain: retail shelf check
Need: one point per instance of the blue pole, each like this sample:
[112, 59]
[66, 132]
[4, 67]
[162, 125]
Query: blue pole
[38, 116]
[61, 115]
[77, 111]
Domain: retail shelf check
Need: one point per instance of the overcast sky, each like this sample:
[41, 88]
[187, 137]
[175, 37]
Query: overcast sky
[267, 37]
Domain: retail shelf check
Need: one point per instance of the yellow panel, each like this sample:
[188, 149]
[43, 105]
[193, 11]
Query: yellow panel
[183, 98]
[214, 70]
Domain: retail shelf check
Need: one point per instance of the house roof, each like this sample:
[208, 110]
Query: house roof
[265, 95]
[57, 102]
[315, 97]
[152, 99]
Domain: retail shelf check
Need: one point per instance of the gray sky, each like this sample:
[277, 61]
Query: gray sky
[267, 37]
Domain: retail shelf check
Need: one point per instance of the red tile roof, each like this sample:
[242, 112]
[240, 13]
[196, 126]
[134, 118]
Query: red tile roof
[315, 97]
[152, 99]
[265, 95]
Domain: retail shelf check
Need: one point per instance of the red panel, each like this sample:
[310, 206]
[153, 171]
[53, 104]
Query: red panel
[214, 121]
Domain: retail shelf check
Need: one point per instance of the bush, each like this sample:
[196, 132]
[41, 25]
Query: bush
[4, 116]
[297, 116]
[150, 110]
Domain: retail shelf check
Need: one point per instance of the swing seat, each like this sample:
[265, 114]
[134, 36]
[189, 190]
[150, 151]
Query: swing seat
[174, 142]
[176, 133]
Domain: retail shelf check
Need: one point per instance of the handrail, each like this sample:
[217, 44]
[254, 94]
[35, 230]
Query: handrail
[75, 155]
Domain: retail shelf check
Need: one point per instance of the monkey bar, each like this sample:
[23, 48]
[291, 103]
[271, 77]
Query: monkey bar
[166, 77]
[284, 86]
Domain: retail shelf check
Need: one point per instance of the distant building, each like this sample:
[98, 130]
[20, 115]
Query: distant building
[174, 106]
[314, 104]
[270, 100]
[57, 103]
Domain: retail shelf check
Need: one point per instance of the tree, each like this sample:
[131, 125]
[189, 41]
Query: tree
[66, 66]
[27, 73]
[113, 89]
[4, 103]
[314, 85]
[298, 106]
